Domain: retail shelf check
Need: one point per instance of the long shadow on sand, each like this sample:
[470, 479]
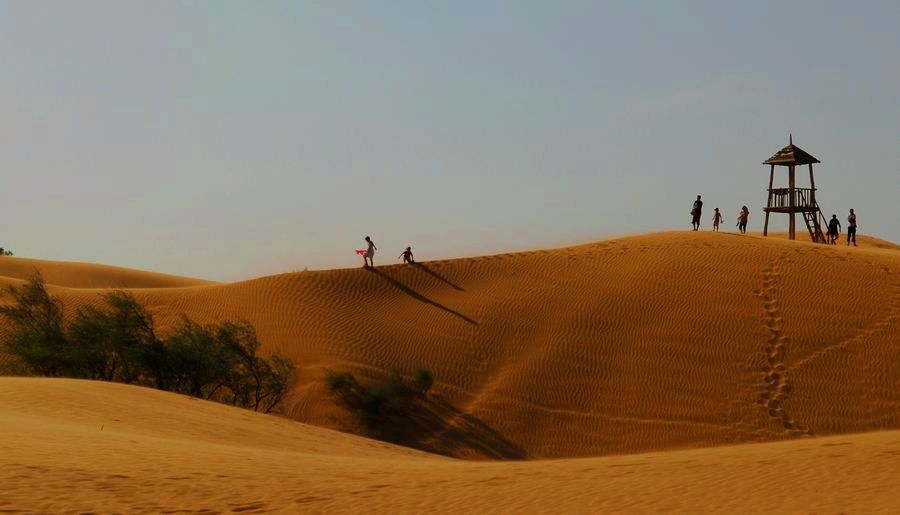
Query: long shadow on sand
[436, 426]
[440, 428]
[424, 268]
[418, 296]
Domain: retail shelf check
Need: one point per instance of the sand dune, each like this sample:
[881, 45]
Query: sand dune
[865, 241]
[77, 446]
[87, 275]
[632, 345]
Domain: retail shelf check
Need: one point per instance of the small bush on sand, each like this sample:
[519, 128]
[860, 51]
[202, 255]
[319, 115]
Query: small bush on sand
[382, 409]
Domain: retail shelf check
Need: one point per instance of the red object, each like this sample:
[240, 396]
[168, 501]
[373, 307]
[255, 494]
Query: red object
[361, 252]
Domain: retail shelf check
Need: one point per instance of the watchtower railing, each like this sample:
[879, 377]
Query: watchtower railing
[787, 197]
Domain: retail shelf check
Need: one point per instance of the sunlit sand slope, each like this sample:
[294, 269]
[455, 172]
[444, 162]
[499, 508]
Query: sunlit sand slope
[87, 275]
[660, 341]
[78, 447]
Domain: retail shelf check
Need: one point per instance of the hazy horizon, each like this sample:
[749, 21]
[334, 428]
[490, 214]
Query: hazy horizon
[231, 140]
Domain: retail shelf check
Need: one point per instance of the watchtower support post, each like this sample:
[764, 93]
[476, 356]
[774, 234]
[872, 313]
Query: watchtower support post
[792, 198]
[769, 202]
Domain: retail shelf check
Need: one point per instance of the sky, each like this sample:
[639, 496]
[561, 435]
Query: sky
[229, 140]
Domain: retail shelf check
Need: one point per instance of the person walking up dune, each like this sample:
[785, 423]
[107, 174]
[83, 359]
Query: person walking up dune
[742, 219]
[407, 255]
[696, 212]
[369, 256]
[834, 229]
[717, 219]
[851, 228]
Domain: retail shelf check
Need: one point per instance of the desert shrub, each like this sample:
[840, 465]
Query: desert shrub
[96, 354]
[382, 409]
[340, 382]
[196, 362]
[276, 383]
[422, 381]
[117, 341]
[36, 335]
[4, 252]
[253, 382]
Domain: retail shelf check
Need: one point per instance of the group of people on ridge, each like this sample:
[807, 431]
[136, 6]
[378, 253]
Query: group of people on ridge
[718, 217]
[368, 254]
[834, 225]
[834, 230]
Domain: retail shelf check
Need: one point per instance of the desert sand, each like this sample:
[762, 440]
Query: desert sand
[78, 446]
[631, 374]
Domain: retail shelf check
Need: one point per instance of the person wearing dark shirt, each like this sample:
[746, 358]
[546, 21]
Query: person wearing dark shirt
[696, 212]
[742, 220]
[834, 229]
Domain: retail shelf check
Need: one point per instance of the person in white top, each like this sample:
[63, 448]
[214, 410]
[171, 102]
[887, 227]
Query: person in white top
[851, 228]
[369, 256]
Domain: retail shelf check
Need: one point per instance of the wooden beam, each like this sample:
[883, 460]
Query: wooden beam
[769, 201]
[792, 228]
[812, 200]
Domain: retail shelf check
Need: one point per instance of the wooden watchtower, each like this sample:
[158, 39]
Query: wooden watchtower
[793, 200]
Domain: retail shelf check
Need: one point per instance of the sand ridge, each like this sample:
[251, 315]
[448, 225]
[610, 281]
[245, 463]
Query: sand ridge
[88, 275]
[78, 446]
[631, 345]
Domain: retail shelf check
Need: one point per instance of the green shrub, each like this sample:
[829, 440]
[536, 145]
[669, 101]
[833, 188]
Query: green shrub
[36, 337]
[382, 409]
[340, 382]
[115, 343]
[118, 342]
[276, 383]
[422, 381]
[196, 361]
[253, 381]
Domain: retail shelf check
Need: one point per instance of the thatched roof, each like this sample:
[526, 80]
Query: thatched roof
[791, 155]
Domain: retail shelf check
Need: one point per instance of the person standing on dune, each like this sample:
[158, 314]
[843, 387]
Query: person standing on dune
[851, 228]
[369, 256]
[717, 219]
[742, 220]
[696, 212]
[834, 229]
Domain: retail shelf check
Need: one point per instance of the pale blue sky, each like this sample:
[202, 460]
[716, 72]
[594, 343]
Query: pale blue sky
[229, 140]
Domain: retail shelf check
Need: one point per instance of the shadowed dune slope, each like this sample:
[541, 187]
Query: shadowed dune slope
[638, 344]
[79, 447]
[88, 275]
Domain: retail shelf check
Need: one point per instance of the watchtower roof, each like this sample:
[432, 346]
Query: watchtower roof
[791, 155]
